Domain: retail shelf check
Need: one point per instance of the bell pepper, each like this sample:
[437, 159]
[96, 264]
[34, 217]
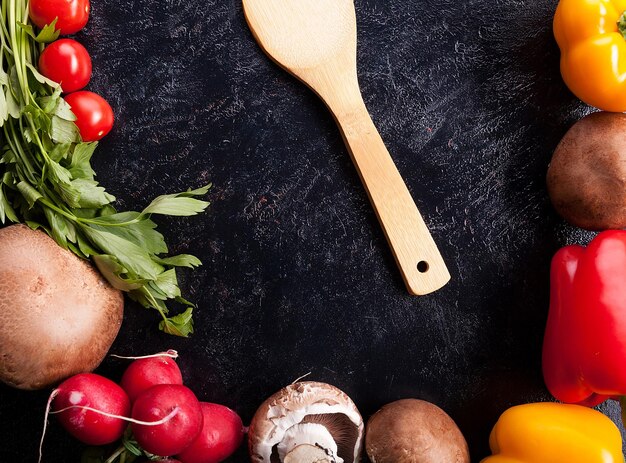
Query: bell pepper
[554, 433]
[590, 35]
[584, 348]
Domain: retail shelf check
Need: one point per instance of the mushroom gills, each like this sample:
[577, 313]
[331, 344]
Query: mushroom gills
[310, 415]
[343, 430]
[313, 434]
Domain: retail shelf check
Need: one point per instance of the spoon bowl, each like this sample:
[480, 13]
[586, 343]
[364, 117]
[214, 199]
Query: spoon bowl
[315, 40]
[307, 47]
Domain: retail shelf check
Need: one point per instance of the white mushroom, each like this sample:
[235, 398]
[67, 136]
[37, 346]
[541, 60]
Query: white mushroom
[306, 422]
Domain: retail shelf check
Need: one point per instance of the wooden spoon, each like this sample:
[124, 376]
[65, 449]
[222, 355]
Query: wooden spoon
[315, 40]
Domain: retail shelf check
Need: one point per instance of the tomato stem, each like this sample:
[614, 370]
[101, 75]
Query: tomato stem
[621, 24]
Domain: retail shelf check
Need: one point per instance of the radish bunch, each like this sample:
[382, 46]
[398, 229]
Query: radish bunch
[166, 418]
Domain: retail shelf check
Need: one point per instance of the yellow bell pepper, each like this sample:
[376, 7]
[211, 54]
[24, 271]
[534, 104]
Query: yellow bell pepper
[554, 433]
[590, 34]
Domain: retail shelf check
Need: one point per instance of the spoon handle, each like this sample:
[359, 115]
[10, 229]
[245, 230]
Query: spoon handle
[414, 249]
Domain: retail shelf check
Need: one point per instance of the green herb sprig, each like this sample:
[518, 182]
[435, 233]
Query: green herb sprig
[46, 181]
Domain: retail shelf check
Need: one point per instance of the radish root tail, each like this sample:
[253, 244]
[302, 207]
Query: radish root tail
[163, 420]
[168, 353]
[53, 394]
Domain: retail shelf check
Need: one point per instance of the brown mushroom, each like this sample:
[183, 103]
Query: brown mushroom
[414, 431]
[58, 316]
[587, 174]
[307, 422]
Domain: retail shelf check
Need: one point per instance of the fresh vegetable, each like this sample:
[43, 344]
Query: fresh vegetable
[305, 416]
[591, 35]
[222, 433]
[95, 410]
[67, 62]
[221, 428]
[100, 393]
[584, 347]
[94, 116]
[414, 431]
[46, 179]
[144, 373]
[70, 15]
[59, 316]
[176, 434]
[587, 175]
[555, 433]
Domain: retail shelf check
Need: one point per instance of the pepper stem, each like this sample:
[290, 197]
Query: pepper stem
[622, 402]
[621, 24]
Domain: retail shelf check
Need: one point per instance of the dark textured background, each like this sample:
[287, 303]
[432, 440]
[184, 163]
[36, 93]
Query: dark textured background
[297, 277]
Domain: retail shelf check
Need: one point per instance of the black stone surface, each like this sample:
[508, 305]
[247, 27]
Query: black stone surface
[297, 276]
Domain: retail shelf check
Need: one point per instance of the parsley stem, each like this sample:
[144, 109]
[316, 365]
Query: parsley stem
[4, 33]
[43, 200]
[21, 35]
[48, 182]
[25, 16]
[35, 159]
[37, 138]
[17, 149]
[111, 224]
[154, 303]
[20, 68]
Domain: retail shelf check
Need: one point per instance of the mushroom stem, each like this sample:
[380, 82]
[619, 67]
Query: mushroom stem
[307, 453]
[312, 434]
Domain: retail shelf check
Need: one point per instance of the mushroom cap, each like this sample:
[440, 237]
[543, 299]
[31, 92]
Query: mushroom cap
[58, 315]
[414, 431]
[305, 402]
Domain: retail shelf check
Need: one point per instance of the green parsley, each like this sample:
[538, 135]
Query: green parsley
[46, 181]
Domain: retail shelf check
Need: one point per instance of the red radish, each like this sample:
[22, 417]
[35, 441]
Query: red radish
[97, 392]
[150, 371]
[177, 433]
[221, 434]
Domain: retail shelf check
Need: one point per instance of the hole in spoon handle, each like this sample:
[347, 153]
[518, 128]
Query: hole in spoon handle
[429, 273]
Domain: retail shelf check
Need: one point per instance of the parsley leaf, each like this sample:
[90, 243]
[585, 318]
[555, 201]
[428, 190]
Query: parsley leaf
[46, 181]
[48, 34]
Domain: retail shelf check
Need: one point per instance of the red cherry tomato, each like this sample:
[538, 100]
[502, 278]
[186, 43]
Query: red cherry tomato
[67, 62]
[72, 14]
[94, 116]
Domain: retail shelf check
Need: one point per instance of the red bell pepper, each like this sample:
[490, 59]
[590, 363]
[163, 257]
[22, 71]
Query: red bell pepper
[584, 350]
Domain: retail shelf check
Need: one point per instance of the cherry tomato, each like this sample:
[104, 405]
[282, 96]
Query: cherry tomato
[94, 116]
[72, 14]
[67, 62]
